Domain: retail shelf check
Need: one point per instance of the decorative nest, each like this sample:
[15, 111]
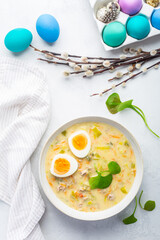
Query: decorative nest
[153, 3]
[108, 13]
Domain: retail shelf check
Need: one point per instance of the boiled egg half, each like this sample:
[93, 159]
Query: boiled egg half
[80, 143]
[63, 165]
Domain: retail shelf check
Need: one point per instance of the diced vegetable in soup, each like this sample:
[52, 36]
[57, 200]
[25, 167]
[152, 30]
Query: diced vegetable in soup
[106, 166]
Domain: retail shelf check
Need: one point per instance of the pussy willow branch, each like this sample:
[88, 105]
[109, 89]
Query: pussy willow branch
[117, 62]
[126, 80]
[90, 66]
[122, 64]
[126, 73]
[67, 64]
[71, 55]
[50, 61]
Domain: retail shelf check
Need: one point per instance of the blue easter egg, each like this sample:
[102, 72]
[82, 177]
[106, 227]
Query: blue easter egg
[155, 19]
[48, 28]
[138, 26]
[18, 39]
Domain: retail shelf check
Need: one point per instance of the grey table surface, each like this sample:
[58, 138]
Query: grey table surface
[70, 99]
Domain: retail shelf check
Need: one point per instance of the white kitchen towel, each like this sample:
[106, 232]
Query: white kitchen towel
[24, 114]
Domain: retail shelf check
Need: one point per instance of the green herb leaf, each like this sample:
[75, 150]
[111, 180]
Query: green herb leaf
[114, 167]
[141, 113]
[131, 219]
[64, 133]
[149, 205]
[100, 181]
[124, 105]
[104, 179]
[113, 102]
[115, 105]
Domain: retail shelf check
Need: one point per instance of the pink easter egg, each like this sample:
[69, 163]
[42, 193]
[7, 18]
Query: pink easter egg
[130, 7]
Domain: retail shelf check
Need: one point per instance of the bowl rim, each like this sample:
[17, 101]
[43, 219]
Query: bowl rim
[98, 215]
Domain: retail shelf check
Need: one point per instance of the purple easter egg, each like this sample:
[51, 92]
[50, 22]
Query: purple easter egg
[130, 7]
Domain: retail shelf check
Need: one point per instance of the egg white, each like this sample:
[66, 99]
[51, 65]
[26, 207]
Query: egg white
[73, 165]
[80, 153]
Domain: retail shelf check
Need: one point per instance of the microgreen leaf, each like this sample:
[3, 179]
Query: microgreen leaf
[114, 167]
[124, 105]
[149, 205]
[131, 219]
[100, 181]
[104, 179]
[115, 105]
[141, 113]
[113, 102]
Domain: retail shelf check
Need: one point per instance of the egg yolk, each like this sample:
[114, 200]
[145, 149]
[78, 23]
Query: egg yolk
[61, 166]
[79, 142]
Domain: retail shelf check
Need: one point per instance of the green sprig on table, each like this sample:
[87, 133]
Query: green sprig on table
[131, 219]
[115, 105]
[148, 206]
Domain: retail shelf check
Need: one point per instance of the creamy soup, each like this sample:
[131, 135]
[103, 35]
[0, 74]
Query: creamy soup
[107, 144]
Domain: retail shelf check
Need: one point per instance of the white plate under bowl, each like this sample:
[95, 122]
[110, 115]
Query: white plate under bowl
[92, 216]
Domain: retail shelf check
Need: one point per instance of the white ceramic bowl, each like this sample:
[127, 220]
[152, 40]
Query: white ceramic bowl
[92, 216]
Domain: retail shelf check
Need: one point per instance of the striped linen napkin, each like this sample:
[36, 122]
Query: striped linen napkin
[24, 114]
